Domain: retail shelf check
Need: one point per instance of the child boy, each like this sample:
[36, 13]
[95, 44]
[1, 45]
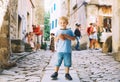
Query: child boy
[63, 39]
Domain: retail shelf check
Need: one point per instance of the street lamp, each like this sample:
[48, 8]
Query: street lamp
[85, 2]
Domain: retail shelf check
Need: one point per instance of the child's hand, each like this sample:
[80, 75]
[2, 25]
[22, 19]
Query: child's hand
[61, 36]
[66, 36]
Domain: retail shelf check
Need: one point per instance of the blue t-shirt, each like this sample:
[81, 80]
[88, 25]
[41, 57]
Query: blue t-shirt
[64, 45]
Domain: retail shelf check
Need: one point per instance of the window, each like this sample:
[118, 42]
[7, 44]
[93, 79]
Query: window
[54, 6]
[107, 24]
[52, 24]
[56, 22]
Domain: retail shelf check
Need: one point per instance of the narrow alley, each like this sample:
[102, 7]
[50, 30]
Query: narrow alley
[29, 29]
[88, 66]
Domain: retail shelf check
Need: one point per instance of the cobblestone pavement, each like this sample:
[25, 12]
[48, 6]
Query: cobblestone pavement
[94, 66]
[49, 70]
[29, 69]
[90, 65]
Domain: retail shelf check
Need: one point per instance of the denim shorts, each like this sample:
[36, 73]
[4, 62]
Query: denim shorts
[66, 57]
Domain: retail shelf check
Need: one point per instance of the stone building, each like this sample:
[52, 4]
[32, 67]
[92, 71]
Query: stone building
[90, 11]
[4, 33]
[116, 29]
[16, 19]
[65, 8]
[83, 12]
[55, 13]
[39, 12]
[21, 20]
[101, 12]
[87, 11]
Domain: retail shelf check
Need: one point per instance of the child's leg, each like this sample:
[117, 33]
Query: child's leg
[67, 75]
[55, 74]
[67, 70]
[67, 62]
[56, 69]
[58, 64]
[59, 61]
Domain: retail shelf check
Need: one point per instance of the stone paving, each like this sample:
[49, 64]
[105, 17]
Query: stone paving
[61, 74]
[94, 66]
[29, 69]
[88, 66]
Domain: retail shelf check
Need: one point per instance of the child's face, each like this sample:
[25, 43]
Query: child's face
[63, 24]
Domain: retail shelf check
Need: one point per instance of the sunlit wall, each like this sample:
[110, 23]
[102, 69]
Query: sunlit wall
[55, 13]
[3, 9]
[116, 26]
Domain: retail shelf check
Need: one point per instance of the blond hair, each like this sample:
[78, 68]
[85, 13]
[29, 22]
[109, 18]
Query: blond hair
[64, 18]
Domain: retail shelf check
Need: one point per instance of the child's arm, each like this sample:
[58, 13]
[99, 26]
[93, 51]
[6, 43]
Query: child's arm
[61, 36]
[56, 39]
[69, 37]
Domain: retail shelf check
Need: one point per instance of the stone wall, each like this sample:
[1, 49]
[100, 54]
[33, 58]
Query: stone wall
[116, 29]
[4, 32]
[39, 12]
[13, 5]
[9, 28]
[5, 35]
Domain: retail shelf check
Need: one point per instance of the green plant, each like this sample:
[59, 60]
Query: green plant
[47, 26]
[44, 46]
